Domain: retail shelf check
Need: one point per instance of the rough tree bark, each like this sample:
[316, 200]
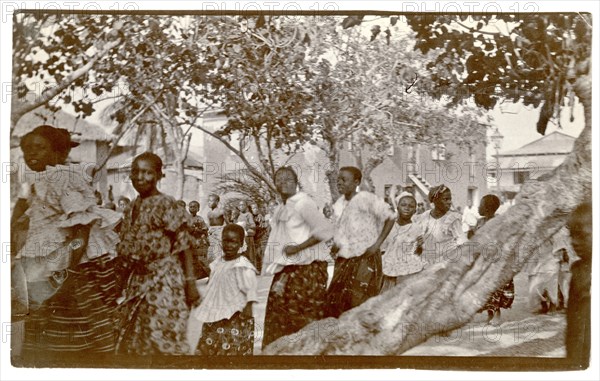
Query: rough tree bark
[331, 171]
[448, 294]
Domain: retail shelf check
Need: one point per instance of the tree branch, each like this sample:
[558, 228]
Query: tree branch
[23, 108]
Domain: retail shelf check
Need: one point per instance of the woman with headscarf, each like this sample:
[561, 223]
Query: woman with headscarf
[403, 246]
[67, 256]
[442, 227]
[297, 257]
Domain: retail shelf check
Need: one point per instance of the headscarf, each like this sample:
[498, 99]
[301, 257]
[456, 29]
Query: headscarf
[436, 192]
[404, 194]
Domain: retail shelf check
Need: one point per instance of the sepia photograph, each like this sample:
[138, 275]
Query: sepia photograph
[298, 186]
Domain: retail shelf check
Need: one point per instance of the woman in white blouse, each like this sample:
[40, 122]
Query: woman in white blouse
[297, 257]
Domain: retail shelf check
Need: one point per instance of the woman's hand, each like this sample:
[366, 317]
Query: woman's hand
[419, 248]
[247, 311]
[192, 296]
[374, 249]
[291, 250]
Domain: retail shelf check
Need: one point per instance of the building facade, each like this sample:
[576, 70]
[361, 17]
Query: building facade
[529, 162]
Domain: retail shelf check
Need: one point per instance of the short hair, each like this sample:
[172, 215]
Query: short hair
[59, 139]
[215, 196]
[123, 198]
[153, 159]
[491, 203]
[356, 173]
[237, 229]
[288, 169]
[194, 202]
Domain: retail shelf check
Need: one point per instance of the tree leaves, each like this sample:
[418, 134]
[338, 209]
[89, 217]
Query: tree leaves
[352, 21]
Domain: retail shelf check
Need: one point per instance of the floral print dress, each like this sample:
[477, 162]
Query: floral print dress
[153, 317]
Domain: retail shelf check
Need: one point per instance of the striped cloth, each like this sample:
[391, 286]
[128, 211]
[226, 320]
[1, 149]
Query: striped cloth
[79, 317]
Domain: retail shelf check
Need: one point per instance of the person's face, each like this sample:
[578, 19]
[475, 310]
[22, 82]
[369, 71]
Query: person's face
[469, 203]
[327, 211]
[346, 183]
[194, 207]
[242, 207]
[38, 153]
[407, 206]
[444, 202]
[122, 204]
[235, 213]
[144, 177]
[231, 242]
[254, 208]
[212, 201]
[580, 227]
[285, 183]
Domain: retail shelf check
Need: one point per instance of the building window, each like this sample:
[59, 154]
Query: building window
[521, 176]
[438, 152]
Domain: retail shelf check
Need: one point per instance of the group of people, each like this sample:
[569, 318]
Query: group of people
[126, 282]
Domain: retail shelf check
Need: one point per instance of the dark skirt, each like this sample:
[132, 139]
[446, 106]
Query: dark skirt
[296, 298]
[79, 317]
[354, 281]
[501, 298]
[228, 337]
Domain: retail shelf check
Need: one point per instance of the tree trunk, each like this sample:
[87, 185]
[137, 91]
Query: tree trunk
[448, 293]
[331, 172]
[367, 169]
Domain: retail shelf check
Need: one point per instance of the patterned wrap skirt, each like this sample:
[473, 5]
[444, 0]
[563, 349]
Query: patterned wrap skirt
[501, 298]
[354, 281]
[296, 298]
[228, 337]
[153, 318]
[79, 317]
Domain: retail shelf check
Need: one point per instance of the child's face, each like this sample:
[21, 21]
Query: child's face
[212, 201]
[231, 242]
[38, 153]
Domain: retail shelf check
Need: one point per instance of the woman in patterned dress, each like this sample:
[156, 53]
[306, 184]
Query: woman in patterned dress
[297, 257]
[156, 243]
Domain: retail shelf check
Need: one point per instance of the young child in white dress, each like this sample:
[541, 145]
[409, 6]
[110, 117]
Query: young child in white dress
[223, 324]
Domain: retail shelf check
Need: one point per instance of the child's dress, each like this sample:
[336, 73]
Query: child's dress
[400, 257]
[217, 327]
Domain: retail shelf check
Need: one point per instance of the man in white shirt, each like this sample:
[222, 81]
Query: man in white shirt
[469, 218]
